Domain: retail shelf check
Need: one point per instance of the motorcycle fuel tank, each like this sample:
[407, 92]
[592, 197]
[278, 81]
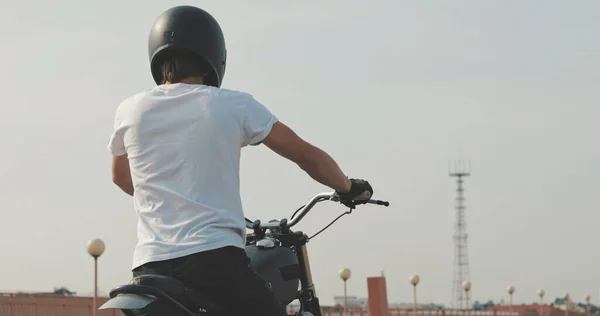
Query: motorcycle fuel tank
[278, 266]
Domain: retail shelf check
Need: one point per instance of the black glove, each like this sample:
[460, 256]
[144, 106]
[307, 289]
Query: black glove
[353, 197]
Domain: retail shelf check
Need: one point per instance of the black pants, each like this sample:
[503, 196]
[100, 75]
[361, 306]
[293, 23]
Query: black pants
[222, 276]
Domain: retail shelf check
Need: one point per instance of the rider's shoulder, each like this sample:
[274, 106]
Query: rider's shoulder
[126, 105]
[233, 94]
[136, 98]
[130, 102]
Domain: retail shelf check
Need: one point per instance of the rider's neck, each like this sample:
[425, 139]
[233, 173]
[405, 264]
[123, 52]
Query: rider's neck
[189, 80]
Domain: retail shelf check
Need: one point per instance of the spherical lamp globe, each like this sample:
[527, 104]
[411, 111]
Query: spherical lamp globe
[345, 274]
[541, 293]
[414, 279]
[466, 286]
[96, 247]
[510, 289]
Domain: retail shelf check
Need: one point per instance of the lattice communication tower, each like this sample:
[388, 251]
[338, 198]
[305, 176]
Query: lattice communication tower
[461, 252]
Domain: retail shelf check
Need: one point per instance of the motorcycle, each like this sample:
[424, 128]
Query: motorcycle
[277, 254]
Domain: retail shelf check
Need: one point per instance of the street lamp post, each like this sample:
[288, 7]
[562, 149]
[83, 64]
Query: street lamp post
[345, 275]
[511, 291]
[467, 287]
[567, 300]
[541, 294]
[95, 248]
[587, 305]
[414, 280]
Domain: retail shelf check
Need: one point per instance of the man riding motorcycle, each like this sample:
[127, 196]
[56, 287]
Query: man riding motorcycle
[176, 149]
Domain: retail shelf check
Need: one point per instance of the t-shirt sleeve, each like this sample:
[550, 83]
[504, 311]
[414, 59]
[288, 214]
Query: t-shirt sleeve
[116, 145]
[258, 122]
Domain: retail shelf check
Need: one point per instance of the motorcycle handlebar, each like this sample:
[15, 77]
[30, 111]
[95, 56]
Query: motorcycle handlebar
[304, 210]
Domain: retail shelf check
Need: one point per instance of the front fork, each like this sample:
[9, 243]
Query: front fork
[313, 307]
[309, 302]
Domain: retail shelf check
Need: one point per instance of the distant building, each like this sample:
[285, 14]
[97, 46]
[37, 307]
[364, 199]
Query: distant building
[62, 291]
[353, 301]
[523, 308]
[557, 306]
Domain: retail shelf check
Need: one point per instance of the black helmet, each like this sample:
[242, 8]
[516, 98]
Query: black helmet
[192, 29]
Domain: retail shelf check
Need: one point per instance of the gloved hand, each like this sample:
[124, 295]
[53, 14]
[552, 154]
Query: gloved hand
[360, 192]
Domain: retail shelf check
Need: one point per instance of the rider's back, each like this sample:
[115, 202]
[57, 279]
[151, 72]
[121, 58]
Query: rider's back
[183, 143]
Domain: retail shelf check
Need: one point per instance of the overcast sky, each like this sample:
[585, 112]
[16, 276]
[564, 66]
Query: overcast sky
[391, 89]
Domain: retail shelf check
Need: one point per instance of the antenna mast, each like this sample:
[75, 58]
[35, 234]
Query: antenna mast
[461, 253]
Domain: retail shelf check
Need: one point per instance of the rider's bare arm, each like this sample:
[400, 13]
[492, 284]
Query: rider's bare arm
[121, 175]
[317, 163]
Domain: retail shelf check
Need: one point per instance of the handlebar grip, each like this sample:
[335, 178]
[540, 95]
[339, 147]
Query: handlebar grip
[379, 202]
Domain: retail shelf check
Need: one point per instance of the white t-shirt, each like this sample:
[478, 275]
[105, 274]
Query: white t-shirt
[183, 143]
